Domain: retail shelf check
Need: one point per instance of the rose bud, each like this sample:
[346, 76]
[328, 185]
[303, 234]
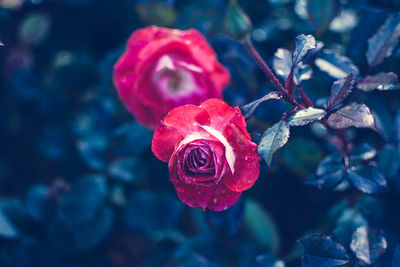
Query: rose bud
[165, 68]
[210, 155]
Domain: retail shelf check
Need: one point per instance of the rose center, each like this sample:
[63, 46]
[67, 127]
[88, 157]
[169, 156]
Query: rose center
[175, 78]
[199, 162]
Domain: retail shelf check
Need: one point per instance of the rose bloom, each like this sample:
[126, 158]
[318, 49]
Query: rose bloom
[210, 155]
[165, 68]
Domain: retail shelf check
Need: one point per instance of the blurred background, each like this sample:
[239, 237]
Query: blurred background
[79, 185]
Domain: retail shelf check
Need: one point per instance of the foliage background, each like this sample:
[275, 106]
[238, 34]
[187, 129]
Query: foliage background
[79, 185]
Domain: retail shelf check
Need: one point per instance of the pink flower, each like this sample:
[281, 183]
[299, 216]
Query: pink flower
[165, 68]
[210, 155]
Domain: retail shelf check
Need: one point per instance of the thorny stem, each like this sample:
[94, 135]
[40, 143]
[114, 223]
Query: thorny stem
[271, 76]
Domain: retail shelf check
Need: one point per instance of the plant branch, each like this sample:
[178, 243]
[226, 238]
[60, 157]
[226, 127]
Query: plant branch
[271, 76]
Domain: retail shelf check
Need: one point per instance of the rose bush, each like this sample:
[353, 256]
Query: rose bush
[164, 68]
[210, 155]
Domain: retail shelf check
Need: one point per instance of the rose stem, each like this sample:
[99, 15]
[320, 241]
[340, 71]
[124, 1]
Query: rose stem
[274, 80]
[271, 76]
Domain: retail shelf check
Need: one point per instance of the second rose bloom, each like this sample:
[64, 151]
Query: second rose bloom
[165, 68]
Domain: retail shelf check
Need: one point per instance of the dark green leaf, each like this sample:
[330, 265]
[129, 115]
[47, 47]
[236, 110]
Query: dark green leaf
[306, 116]
[383, 81]
[273, 139]
[13, 219]
[227, 222]
[236, 23]
[367, 179]
[127, 170]
[301, 155]
[326, 181]
[83, 237]
[348, 221]
[356, 115]
[322, 251]
[156, 13]
[382, 44]
[368, 245]
[250, 108]
[194, 259]
[38, 204]
[389, 161]
[261, 226]
[35, 28]
[396, 256]
[322, 12]
[335, 65]
[340, 90]
[330, 163]
[92, 149]
[266, 260]
[150, 211]
[330, 173]
[363, 152]
[83, 200]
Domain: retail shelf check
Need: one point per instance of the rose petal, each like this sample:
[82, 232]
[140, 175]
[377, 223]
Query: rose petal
[230, 156]
[246, 162]
[220, 77]
[179, 123]
[221, 114]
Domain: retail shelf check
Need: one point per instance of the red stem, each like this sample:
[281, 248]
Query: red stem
[271, 76]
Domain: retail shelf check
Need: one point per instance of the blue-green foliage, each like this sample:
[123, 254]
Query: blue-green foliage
[79, 185]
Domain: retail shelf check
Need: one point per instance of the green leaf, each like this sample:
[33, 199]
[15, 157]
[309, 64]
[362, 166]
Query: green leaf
[335, 65]
[367, 179]
[250, 108]
[282, 64]
[306, 116]
[260, 226]
[237, 24]
[273, 139]
[368, 245]
[320, 250]
[321, 13]
[13, 218]
[389, 161]
[304, 43]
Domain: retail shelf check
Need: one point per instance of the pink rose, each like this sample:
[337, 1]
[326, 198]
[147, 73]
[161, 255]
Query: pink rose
[210, 155]
[165, 68]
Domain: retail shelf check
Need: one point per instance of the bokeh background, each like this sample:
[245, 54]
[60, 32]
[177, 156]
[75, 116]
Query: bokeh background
[79, 185]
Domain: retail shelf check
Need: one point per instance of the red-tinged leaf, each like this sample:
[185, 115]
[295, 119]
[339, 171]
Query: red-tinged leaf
[382, 44]
[289, 84]
[383, 81]
[340, 90]
[356, 115]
